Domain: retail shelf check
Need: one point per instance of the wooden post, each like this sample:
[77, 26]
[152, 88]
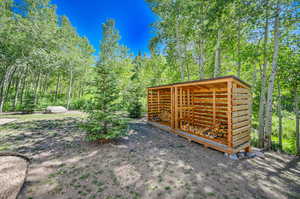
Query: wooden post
[189, 110]
[158, 104]
[180, 106]
[148, 111]
[193, 111]
[229, 113]
[214, 106]
[176, 108]
[248, 149]
[172, 108]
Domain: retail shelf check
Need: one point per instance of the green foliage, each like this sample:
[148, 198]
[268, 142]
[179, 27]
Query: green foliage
[135, 107]
[103, 122]
[81, 103]
[135, 90]
[41, 50]
[29, 103]
[288, 137]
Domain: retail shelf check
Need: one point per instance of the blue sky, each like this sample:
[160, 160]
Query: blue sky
[133, 19]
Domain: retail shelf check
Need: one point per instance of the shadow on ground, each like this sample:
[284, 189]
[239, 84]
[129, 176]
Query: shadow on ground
[148, 163]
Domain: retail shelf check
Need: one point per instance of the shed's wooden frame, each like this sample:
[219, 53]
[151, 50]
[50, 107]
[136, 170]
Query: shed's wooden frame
[194, 109]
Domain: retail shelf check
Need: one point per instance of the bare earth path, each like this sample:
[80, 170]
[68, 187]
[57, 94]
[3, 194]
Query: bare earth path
[149, 163]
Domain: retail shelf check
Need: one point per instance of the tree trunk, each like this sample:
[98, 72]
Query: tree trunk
[297, 99]
[56, 89]
[254, 75]
[3, 90]
[22, 91]
[201, 60]
[37, 89]
[268, 122]
[46, 84]
[70, 88]
[188, 72]
[17, 93]
[179, 53]
[262, 100]
[239, 47]
[5, 85]
[218, 55]
[279, 117]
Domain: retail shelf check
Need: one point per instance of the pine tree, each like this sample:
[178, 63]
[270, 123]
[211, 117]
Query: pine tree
[135, 105]
[29, 103]
[102, 121]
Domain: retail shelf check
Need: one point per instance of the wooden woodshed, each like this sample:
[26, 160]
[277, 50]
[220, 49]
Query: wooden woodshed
[214, 112]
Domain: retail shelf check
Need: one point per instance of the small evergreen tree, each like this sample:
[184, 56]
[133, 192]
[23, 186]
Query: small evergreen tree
[28, 103]
[102, 121]
[135, 105]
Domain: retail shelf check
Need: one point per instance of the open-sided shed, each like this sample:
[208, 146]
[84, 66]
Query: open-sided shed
[215, 112]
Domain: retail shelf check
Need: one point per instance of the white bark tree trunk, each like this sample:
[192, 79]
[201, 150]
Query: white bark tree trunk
[268, 122]
[218, 55]
[279, 118]
[297, 99]
[239, 47]
[70, 88]
[262, 100]
[201, 59]
[5, 84]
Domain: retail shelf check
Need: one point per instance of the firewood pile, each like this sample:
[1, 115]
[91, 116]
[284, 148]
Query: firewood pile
[165, 115]
[216, 131]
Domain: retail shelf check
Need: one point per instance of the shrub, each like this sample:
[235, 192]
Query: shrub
[102, 121]
[28, 103]
[135, 109]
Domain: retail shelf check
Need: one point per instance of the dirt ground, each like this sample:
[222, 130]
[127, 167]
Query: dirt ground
[148, 163]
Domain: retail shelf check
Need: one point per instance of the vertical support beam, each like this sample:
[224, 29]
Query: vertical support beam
[248, 149]
[229, 113]
[193, 110]
[183, 103]
[158, 102]
[176, 107]
[180, 103]
[148, 107]
[172, 108]
[214, 106]
[189, 108]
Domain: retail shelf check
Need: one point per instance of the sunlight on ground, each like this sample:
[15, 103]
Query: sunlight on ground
[148, 163]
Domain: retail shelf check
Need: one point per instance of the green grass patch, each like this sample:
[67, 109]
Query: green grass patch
[41, 116]
[288, 132]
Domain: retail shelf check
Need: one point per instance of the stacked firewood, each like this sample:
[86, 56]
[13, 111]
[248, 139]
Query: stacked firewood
[216, 131]
[165, 115]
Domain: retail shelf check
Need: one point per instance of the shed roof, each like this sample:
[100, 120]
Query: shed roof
[204, 80]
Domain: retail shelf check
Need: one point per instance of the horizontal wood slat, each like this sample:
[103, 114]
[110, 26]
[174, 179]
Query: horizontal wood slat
[240, 113]
[239, 130]
[241, 141]
[240, 90]
[241, 124]
[241, 135]
[239, 108]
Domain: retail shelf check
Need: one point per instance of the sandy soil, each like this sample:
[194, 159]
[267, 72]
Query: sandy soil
[12, 175]
[148, 163]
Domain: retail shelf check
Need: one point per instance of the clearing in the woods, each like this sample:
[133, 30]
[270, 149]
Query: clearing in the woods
[148, 163]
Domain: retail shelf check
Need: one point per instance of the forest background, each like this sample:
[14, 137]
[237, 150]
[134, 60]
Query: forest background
[44, 61]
